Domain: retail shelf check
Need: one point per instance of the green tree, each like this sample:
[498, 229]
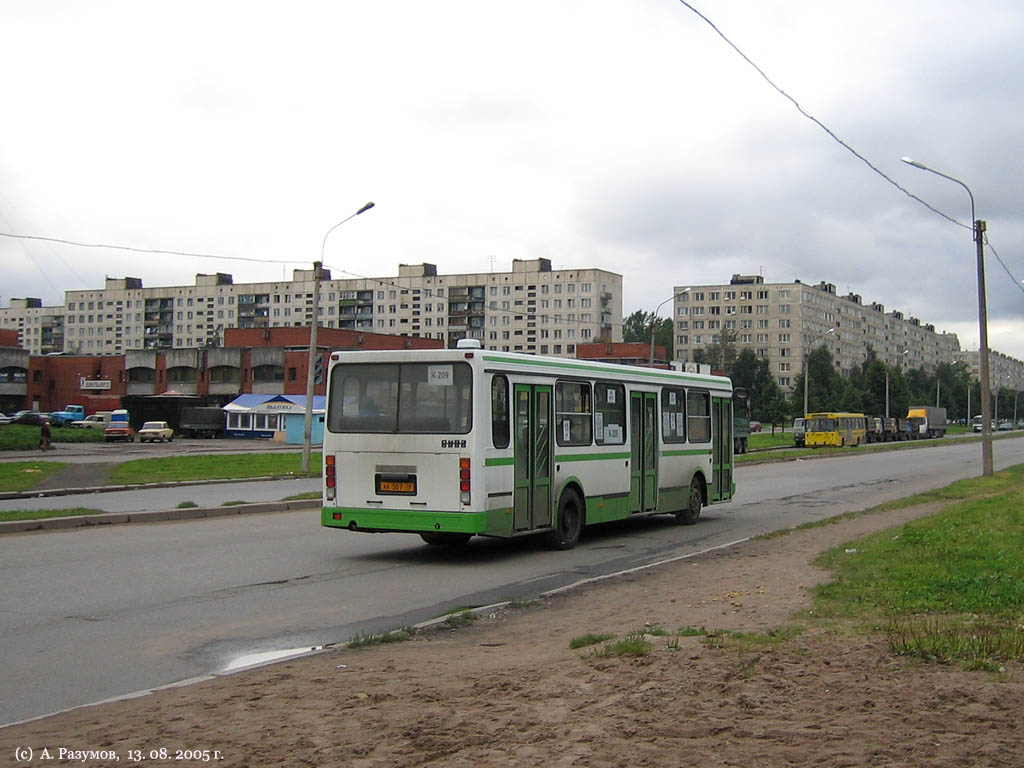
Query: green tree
[720, 354]
[638, 326]
[753, 375]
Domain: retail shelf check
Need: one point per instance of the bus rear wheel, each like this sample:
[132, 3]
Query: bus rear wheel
[437, 539]
[688, 515]
[569, 524]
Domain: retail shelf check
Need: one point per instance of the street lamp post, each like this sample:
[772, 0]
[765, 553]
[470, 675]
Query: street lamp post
[307, 429]
[978, 227]
[807, 357]
[654, 319]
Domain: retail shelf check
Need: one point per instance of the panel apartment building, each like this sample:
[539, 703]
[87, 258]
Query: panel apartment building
[781, 322]
[531, 309]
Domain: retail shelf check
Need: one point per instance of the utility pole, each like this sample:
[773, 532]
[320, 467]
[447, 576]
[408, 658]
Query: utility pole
[983, 371]
[307, 427]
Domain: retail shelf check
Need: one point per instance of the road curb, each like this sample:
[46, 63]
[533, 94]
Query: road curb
[44, 493]
[122, 518]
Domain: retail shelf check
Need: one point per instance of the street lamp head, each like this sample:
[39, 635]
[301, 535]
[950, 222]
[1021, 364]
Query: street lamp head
[364, 209]
[911, 161]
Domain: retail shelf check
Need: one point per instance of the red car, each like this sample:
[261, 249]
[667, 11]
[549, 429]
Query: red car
[119, 430]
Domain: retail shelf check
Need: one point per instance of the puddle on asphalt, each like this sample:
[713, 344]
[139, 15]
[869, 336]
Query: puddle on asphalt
[265, 657]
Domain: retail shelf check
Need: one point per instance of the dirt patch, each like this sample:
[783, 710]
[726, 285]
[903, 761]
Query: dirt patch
[78, 476]
[508, 691]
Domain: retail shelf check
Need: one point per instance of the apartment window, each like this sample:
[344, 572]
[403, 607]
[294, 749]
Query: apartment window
[783, 323]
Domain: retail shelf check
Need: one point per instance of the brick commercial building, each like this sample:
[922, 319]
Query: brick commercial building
[255, 361]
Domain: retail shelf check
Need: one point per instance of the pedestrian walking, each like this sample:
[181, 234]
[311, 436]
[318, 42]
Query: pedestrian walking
[44, 436]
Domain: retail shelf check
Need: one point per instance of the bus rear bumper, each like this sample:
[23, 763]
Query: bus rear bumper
[407, 521]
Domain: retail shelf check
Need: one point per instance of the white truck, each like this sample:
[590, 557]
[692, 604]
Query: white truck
[925, 421]
[97, 420]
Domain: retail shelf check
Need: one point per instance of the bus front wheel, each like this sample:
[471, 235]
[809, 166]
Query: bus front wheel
[569, 524]
[688, 515]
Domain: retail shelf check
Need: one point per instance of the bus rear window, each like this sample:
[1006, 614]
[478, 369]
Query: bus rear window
[820, 425]
[408, 398]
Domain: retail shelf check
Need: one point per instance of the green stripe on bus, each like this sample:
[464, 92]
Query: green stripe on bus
[691, 452]
[668, 376]
[590, 456]
[507, 461]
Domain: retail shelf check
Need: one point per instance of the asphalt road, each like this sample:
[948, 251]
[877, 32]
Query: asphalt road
[94, 613]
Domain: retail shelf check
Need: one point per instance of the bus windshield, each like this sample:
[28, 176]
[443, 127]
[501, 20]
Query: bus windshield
[821, 425]
[412, 398]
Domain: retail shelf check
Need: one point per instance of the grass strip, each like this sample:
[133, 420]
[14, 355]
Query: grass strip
[23, 437]
[219, 467]
[947, 587]
[25, 475]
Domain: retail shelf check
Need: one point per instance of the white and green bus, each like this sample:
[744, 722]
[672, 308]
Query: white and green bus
[458, 442]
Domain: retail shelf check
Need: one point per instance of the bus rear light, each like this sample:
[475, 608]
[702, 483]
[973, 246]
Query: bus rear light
[464, 480]
[330, 472]
[337, 515]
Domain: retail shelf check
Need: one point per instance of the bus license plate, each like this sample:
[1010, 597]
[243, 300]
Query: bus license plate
[405, 486]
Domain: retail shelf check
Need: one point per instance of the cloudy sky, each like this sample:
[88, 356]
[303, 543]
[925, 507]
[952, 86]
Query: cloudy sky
[622, 134]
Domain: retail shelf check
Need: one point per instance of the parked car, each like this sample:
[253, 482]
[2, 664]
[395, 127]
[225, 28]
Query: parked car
[153, 431]
[755, 426]
[5, 419]
[119, 430]
[32, 418]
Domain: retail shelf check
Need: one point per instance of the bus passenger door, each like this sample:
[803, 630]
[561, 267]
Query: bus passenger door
[721, 457]
[532, 499]
[643, 438]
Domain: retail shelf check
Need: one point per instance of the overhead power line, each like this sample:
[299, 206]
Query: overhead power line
[842, 143]
[149, 250]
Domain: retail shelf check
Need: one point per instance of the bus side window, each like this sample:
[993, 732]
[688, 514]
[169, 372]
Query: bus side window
[673, 415]
[609, 414]
[698, 406]
[499, 412]
[573, 413]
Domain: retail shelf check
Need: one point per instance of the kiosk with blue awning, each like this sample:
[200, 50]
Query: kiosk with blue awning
[278, 417]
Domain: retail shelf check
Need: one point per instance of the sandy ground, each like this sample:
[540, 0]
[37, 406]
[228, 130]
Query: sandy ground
[508, 691]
